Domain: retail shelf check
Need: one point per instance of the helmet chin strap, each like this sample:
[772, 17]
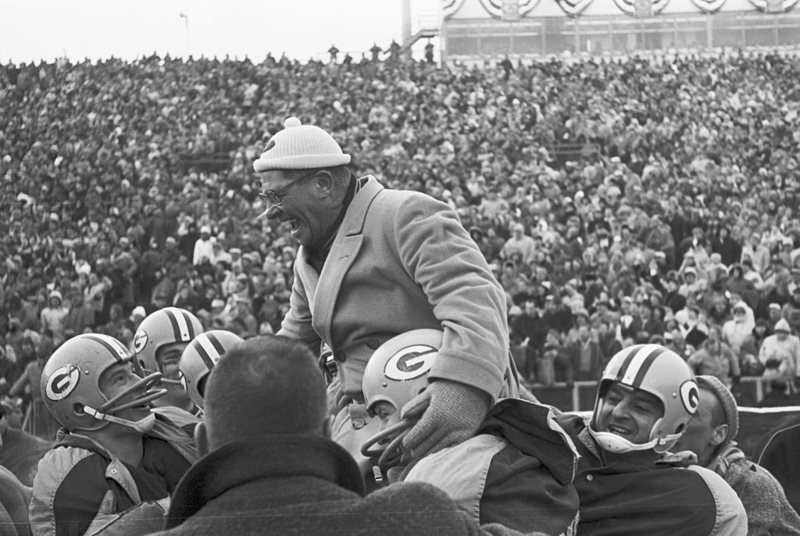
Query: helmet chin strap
[619, 445]
[142, 426]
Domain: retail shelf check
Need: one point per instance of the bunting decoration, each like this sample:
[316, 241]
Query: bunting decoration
[629, 6]
[449, 7]
[709, 6]
[573, 8]
[495, 7]
[770, 5]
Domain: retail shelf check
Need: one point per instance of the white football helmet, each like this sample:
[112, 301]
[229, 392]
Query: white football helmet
[164, 326]
[200, 357]
[70, 384]
[661, 372]
[395, 374]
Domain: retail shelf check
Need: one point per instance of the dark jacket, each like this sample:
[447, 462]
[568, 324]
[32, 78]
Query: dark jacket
[778, 454]
[652, 498]
[302, 484]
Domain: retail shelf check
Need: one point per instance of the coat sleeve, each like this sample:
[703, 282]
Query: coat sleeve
[439, 255]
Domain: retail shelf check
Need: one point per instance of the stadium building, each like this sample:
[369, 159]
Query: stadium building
[471, 31]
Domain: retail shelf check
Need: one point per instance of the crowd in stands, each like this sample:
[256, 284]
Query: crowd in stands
[618, 201]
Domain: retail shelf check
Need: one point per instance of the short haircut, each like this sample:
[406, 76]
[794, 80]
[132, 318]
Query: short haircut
[265, 385]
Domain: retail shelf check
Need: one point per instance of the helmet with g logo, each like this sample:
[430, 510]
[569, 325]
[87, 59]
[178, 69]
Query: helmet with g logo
[159, 328]
[395, 374]
[70, 383]
[200, 357]
[661, 372]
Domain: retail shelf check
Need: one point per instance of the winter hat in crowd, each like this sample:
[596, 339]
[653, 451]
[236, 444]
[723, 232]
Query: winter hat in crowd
[783, 325]
[300, 147]
[726, 399]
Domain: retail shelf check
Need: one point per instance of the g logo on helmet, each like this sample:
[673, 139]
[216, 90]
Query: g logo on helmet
[62, 382]
[140, 341]
[690, 396]
[411, 362]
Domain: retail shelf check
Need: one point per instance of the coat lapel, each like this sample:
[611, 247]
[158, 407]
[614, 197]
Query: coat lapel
[343, 253]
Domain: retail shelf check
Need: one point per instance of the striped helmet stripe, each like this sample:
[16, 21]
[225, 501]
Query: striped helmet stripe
[217, 344]
[111, 344]
[181, 325]
[645, 367]
[625, 364]
[206, 349]
[637, 363]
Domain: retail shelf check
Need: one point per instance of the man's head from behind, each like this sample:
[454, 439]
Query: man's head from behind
[714, 425]
[266, 385]
[644, 401]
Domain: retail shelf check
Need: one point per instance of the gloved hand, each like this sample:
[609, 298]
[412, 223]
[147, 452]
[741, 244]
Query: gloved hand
[451, 413]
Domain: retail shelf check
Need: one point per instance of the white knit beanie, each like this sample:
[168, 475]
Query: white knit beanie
[300, 147]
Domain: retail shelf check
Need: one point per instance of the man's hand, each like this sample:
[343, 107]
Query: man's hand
[449, 413]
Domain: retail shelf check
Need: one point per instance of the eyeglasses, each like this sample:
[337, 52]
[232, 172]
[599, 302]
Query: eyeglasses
[275, 198]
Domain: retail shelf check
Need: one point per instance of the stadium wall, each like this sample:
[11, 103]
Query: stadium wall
[477, 30]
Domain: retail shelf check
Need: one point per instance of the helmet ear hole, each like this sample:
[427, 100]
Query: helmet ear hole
[681, 427]
[77, 407]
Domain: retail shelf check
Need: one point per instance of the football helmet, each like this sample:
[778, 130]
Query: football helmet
[70, 384]
[660, 372]
[200, 357]
[165, 326]
[395, 374]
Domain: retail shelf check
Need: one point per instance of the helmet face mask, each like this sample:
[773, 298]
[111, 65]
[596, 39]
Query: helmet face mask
[395, 374]
[71, 384]
[200, 356]
[646, 377]
[167, 326]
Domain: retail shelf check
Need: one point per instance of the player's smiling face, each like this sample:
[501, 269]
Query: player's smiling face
[629, 413]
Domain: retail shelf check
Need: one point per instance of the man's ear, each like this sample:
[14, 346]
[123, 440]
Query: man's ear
[201, 439]
[719, 435]
[324, 181]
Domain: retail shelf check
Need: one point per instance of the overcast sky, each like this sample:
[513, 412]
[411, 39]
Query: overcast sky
[31, 30]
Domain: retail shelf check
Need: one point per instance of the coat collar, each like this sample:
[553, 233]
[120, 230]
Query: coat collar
[323, 288]
[259, 458]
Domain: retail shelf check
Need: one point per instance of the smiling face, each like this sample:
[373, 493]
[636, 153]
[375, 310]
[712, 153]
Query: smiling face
[308, 210]
[630, 413]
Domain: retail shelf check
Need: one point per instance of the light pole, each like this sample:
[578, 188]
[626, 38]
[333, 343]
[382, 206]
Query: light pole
[185, 18]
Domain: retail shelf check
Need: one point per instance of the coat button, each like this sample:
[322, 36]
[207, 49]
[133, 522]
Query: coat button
[589, 478]
[373, 344]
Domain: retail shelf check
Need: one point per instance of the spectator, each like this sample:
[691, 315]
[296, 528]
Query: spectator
[715, 358]
[521, 243]
[53, 316]
[203, 247]
[779, 354]
[736, 330]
